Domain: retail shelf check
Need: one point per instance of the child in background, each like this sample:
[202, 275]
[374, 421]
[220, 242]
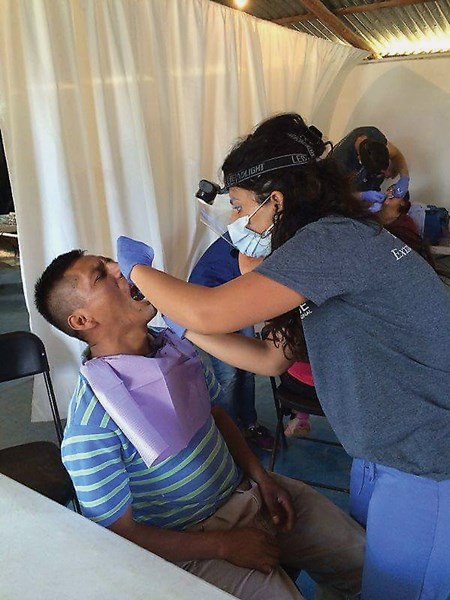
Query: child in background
[298, 379]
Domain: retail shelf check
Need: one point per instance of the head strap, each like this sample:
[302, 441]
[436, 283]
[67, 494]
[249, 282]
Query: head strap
[309, 143]
[279, 162]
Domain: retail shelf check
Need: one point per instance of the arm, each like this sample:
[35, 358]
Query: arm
[169, 544]
[246, 300]
[398, 160]
[237, 445]
[249, 354]
[276, 498]
[246, 547]
[86, 450]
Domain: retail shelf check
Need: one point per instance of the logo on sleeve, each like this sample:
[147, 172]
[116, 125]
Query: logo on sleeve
[401, 252]
[305, 310]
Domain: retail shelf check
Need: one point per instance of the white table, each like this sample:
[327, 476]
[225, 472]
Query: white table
[49, 552]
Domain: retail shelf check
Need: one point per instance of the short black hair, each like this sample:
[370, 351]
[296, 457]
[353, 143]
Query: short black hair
[374, 156]
[51, 301]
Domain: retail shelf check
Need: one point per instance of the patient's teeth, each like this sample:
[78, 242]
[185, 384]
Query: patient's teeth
[135, 293]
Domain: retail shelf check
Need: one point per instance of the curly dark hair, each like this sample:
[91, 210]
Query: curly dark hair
[310, 191]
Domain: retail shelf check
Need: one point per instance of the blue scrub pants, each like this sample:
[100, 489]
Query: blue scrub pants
[408, 533]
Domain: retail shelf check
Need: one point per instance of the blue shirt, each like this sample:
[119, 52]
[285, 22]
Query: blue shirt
[109, 474]
[218, 264]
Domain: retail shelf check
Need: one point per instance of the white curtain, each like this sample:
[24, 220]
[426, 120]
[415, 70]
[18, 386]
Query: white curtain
[112, 110]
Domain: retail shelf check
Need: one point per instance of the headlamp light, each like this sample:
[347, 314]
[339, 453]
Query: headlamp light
[207, 191]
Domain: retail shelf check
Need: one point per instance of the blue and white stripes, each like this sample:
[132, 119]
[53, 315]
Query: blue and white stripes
[109, 474]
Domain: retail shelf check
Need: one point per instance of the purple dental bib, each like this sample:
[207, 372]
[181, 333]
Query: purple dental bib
[159, 401]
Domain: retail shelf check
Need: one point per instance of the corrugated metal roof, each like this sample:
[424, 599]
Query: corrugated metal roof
[401, 30]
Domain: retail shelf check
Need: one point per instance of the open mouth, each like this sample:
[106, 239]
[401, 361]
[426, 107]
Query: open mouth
[135, 293]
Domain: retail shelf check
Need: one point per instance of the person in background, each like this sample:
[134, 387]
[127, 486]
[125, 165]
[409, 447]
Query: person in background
[369, 158]
[222, 262]
[376, 320]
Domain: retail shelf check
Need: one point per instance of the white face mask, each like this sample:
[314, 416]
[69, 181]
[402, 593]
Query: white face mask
[248, 242]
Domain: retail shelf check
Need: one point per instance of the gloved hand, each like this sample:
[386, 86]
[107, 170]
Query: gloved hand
[178, 330]
[375, 207]
[374, 198]
[400, 188]
[130, 253]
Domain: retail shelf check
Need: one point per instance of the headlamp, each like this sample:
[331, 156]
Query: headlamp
[311, 148]
[207, 191]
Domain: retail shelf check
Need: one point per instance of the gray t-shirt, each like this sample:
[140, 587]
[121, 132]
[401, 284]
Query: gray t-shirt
[377, 327]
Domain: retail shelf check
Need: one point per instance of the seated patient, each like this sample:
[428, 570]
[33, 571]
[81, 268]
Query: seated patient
[394, 212]
[152, 461]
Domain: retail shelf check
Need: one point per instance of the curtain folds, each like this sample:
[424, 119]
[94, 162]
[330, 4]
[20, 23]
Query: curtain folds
[112, 110]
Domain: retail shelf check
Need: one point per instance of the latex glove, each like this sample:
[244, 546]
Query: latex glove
[400, 188]
[177, 329]
[374, 198]
[375, 207]
[130, 253]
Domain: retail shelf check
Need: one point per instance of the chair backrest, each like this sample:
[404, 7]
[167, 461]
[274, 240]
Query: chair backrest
[22, 354]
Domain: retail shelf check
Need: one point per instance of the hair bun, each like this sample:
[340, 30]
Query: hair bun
[310, 139]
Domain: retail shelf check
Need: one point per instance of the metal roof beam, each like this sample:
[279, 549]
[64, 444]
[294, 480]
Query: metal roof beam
[349, 10]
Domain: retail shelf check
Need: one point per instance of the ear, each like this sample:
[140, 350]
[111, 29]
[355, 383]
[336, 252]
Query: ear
[359, 140]
[277, 199]
[81, 322]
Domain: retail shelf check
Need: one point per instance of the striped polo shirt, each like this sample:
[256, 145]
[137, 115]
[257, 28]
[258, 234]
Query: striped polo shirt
[109, 474]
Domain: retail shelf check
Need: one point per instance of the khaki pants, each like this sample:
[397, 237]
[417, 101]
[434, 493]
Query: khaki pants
[325, 542]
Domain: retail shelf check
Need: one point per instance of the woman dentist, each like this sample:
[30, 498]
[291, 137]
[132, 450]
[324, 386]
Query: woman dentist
[376, 319]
